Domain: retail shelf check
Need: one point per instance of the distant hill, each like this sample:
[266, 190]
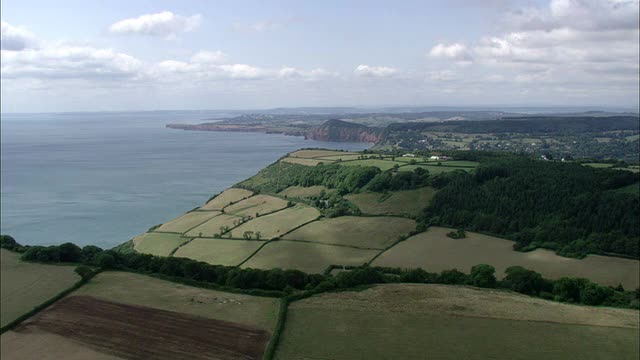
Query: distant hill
[338, 130]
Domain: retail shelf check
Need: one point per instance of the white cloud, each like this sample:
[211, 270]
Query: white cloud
[294, 73]
[454, 51]
[15, 38]
[375, 71]
[213, 57]
[165, 24]
[443, 75]
[256, 27]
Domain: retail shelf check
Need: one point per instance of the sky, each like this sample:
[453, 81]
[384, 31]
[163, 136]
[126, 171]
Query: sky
[174, 55]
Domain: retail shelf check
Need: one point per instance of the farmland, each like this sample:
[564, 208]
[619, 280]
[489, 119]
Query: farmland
[218, 251]
[187, 221]
[303, 192]
[434, 251]
[257, 204]
[279, 223]
[211, 227]
[407, 202]
[227, 197]
[361, 232]
[381, 164]
[159, 244]
[25, 285]
[306, 256]
[448, 322]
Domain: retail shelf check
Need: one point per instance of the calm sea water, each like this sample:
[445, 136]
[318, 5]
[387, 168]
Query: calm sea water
[102, 178]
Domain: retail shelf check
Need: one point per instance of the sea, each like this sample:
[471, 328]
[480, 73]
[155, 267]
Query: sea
[102, 178]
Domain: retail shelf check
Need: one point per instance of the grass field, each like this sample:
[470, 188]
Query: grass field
[25, 285]
[228, 196]
[363, 232]
[318, 153]
[257, 204]
[381, 164]
[218, 251]
[629, 189]
[403, 321]
[136, 289]
[341, 157]
[306, 161]
[187, 221]
[157, 243]
[598, 165]
[407, 202]
[279, 223]
[303, 192]
[213, 226]
[307, 257]
[42, 345]
[434, 251]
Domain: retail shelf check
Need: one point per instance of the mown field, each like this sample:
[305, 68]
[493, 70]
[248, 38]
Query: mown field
[159, 244]
[446, 322]
[24, 285]
[257, 204]
[434, 251]
[227, 197]
[407, 202]
[306, 161]
[218, 251]
[279, 223]
[361, 232]
[187, 221]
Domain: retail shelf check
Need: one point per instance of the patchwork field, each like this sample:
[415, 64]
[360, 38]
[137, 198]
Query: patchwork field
[305, 161]
[258, 204]
[218, 251]
[406, 321]
[318, 153]
[158, 244]
[25, 285]
[303, 192]
[307, 257]
[407, 202]
[381, 164]
[279, 223]
[341, 157]
[362, 232]
[187, 221]
[140, 332]
[434, 251]
[227, 197]
[136, 289]
[212, 226]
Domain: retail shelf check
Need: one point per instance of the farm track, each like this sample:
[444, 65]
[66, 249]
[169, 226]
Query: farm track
[138, 332]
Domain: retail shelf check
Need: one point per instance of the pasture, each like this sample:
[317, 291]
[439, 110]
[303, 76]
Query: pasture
[136, 289]
[434, 251]
[159, 244]
[186, 222]
[305, 161]
[227, 197]
[434, 169]
[25, 285]
[406, 202]
[362, 232]
[302, 192]
[309, 154]
[380, 164]
[211, 227]
[346, 157]
[307, 257]
[218, 251]
[411, 321]
[257, 204]
[278, 223]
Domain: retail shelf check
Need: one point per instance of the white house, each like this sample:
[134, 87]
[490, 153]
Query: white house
[408, 155]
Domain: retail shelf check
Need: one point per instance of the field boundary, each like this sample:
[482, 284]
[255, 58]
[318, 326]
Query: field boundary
[49, 302]
[257, 250]
[331, 244]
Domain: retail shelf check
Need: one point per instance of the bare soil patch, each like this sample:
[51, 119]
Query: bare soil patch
[138, 332]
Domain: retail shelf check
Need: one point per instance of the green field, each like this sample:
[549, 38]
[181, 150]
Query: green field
[406, 202]
[363, 232]
[187, 221]
[303, 192]
[381, 164]
[218, 251]
[227, 197]
[307, 257]
[305, 161]
[212, 226]
[157, 243]
[448, 322]
[257, 204]
[279, 223]
[346, 157]
[598, 165]
[136, 289]
[25, 285]
[434, 251]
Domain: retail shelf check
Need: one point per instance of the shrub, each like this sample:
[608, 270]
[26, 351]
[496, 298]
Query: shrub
[483, 275]
[105, 260]
[84, 271]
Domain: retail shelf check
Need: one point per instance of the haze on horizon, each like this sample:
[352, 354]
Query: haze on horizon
[119, 55]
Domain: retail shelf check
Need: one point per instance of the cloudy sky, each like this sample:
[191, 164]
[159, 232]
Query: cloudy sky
[148, 55]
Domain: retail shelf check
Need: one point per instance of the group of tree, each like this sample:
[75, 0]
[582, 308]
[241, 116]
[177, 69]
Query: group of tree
[276, 282]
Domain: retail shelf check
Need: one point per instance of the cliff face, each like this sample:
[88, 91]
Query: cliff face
[338, 130]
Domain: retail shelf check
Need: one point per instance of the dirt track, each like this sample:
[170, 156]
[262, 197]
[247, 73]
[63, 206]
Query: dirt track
[137, 332]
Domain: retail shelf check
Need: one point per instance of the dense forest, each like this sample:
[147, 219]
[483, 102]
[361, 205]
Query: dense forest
[566, 207]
